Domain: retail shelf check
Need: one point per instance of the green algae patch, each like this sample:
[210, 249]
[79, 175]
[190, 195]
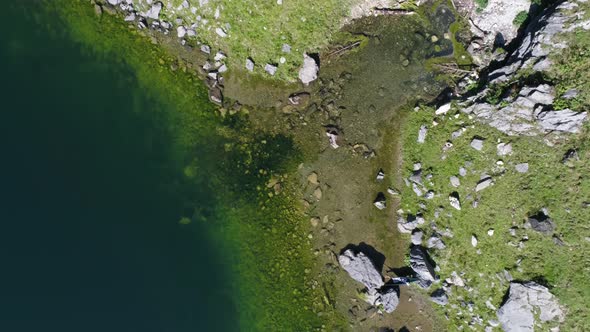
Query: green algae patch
[236, 179]
[272, 251]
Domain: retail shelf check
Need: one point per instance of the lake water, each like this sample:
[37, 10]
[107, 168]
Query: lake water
[91, 191]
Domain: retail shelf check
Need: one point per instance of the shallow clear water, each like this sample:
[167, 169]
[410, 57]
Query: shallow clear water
[91, 191]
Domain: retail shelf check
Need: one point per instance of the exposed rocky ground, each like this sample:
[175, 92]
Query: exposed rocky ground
[471, 165]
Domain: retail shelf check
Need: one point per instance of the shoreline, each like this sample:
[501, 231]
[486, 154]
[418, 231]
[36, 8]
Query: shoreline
[357, 100]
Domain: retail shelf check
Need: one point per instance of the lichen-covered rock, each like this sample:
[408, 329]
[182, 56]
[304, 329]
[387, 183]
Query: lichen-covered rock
[361, 269]
[517, 314]
[539, 41]
[408, 224]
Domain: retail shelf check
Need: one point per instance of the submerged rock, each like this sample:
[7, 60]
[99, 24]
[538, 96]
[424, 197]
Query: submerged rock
[361, 269]
[517, 314]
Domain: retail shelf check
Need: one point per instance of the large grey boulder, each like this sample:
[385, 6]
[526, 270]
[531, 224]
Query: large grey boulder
[389, 299]
[420, 263]
[565, 120]
[539, 40]
[417, 236]
[541, 223]
[517, 314]
[361, 269]
[497, 18]
[530, 112]
[309, 71]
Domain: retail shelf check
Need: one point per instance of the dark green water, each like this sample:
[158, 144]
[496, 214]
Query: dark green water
[91, 191]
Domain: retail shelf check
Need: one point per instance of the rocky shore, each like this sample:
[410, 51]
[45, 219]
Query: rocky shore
[451, 191]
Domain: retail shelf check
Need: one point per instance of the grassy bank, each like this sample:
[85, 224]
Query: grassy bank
[550, 183]
[556, 180]
[258, 30]
[257, 226]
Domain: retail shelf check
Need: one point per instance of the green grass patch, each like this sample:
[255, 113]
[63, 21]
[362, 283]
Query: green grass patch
[570, 71]
[258, 29]
[521, 18]
[562, 188]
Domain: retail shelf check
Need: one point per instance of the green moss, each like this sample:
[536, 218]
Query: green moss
[481, 4]
[462, 57]
[521, 18]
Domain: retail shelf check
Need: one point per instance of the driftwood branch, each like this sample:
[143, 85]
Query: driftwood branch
[344, 49]
[393, 11]
[451, 68]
